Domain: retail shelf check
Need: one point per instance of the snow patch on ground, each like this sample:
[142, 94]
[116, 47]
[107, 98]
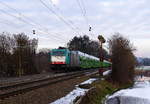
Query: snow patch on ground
[71, 96]
[143, 78]
[106, 72]
[143, 68]
[89, 81]
[138, 94]
[140, 89]
[68, 99]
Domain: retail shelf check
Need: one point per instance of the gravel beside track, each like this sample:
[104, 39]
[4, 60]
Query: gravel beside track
[13, 80]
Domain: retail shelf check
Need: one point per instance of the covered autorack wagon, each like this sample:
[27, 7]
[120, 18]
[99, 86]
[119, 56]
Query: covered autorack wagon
[64, 58]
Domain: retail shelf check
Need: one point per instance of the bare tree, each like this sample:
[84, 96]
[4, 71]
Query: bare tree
[6, 44]
[17, 53]
[24, 52]
[123, 59]
[42, 60]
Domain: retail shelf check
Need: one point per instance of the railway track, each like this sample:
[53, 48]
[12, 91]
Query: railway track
[27, 78]
[23, 87]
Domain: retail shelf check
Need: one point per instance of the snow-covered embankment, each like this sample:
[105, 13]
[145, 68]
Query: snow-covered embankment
[68, 99]
[138, 94]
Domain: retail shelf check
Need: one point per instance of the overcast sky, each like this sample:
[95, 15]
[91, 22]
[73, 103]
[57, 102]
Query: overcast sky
[57, 21]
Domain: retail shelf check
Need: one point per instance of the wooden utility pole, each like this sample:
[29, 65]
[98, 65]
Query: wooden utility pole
[101, 40]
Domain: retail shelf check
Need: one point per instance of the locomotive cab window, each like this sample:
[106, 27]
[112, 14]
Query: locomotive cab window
[58, 53]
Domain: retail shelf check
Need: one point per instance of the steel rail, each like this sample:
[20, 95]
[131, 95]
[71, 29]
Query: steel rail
[7, 91]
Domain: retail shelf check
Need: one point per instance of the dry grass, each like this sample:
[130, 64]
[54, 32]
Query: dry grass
[98, 91]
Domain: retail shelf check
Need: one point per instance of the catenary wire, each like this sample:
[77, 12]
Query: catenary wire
[27, 18]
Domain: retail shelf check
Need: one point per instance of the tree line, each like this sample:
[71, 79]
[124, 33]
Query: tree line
[17, 53]
[143, 61]
[86, 45]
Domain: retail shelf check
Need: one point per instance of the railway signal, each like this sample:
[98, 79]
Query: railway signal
[101, 40]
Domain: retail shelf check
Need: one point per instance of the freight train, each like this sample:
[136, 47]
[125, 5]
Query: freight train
[70, 60]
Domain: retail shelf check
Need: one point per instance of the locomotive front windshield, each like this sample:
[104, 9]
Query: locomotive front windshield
[58, 53]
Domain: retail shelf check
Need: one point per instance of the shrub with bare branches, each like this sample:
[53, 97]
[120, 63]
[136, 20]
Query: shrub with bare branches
[123, 59]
